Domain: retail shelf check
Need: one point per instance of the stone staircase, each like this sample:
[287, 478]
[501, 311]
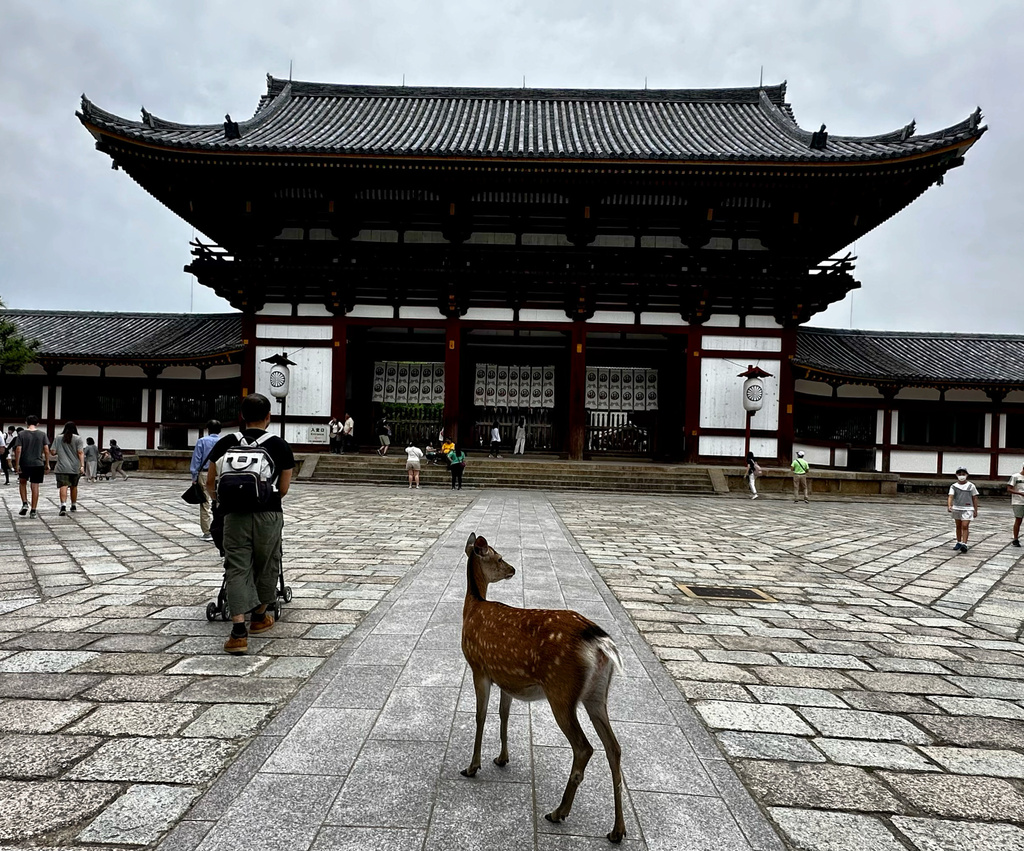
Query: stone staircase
[539, 473]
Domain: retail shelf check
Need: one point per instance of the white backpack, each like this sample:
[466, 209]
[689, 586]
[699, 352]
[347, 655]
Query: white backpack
[245, 475]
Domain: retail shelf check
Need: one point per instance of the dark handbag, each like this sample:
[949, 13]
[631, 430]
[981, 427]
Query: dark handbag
[194, 494]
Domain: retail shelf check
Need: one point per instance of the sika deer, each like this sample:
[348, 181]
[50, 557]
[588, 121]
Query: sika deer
[539, 653]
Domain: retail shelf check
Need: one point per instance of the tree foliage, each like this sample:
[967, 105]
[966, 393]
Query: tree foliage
[15, 351]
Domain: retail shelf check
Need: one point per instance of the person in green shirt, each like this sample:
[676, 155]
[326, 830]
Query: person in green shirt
[801, 477]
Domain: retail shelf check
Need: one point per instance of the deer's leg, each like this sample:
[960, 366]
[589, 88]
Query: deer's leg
[597, 709]
[482, 686]
[503, 710]
[565, 716]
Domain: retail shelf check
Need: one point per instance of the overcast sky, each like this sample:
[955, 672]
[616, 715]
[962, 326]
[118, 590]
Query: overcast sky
[76, 235]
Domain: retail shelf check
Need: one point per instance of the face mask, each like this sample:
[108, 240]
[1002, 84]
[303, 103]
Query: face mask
[961, 478]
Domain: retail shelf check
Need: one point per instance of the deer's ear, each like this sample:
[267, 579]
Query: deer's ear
[470, 542]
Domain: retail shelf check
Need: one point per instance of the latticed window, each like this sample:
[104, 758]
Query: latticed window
[942, 428]
[192, 407]
[101, 401]
[1015, 431]
[835, 425]
[18, 398]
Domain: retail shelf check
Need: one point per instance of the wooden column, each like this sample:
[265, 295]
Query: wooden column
[691, 414]
[339, 367]
[452, 352]
[249, 357]
[787, 393]
[577, 391]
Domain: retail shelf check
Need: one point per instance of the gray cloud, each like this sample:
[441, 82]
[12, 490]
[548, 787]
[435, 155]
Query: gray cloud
[74, 234]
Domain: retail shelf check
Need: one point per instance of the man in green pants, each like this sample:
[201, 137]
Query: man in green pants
[249, 473]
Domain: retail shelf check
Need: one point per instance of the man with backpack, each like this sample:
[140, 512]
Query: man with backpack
[249, 473]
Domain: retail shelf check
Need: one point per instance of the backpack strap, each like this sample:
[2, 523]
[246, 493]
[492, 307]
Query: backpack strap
[263, 438]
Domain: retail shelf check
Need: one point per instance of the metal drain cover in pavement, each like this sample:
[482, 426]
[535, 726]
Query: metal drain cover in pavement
[710, 592]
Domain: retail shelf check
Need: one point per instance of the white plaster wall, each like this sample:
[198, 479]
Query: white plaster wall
[812, 388]
[490, 314]
[966, 396]
[1002, 431]
[721, 402]
[1010, 464]
[58, 397]
[372, 311]
[159, 405]
[988, 431]
[857, 391]
[905, 461]
[420, 312]
[129, 439]
[761, 322]
[978, 464]
[732, 447]
[86, 369]
[880, 427]
[651, 317]
[816, 456]
[721, 342]
[293, 332]
[543, 316]
[841, 457]
[894, 428]
[276, 309]
[125, 372]
[1014, 396]
[182, 372]
[44, 408]
[33, 369]
[722, 320]
[193, 437]
[296, 432]
[87, 432]
[878, 459]
[613, 317]
[926, 393]
[312, 310]
[310, 388]
[228, 370]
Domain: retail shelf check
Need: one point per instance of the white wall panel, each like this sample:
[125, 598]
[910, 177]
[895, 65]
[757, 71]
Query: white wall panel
[413, 311]
[1002, 431]
[227, 370]
[58, 398]
[372, 311]
[159, 408]
[144, 412]
[312, 309]
[294, 432]
[721, 447]
[722, 320]
[310, 393]
[907, 461]
[722, 342]
[1010, 464]
[190, 372]
[721, 400]
[842, 459]
[651, 317]
[275, 309]
[543, 316]
[613, 317]
[966, 396]
[293, 332]
[925, 393]
[124, 371]
[490, 314]
[878, 460]
[86, 369]
[988, 431]
[858, 391]
[129, 439]
[816, 456]
[812, 388]
[880, 427]
[894, 428]
[977, 463]
[761, 322]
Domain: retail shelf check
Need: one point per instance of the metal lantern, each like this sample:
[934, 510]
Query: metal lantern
[280, 375]
[753, 389]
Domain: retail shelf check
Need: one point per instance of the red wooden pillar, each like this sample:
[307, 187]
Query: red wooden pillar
[577, 391]
[339, 367]
[691, 413]
[452, 351]
[787, 393]
[249, 357]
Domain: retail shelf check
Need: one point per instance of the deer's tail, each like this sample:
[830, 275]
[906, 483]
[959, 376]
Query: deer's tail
[606, 647]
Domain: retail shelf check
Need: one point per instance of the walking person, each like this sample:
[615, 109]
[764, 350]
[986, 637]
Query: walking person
[348, 435]
[801, 477]
[117, 460]
[5, 453]
[249, 499]
[457, 466]
[495, 440]
[31, 455]
[70, 454]
[753, 471]
[1016, 491]
[384, 436]
[962, 503]
[412, 465]
[92, 459]
[199, 466]
[520, 447]
[334, 428]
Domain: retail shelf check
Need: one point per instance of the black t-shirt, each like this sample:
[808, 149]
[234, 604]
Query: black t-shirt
[280, 453]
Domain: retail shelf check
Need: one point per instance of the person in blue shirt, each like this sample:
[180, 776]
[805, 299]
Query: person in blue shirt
[199, 465]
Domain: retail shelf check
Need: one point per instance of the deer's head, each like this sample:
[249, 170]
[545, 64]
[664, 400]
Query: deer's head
[487, 560]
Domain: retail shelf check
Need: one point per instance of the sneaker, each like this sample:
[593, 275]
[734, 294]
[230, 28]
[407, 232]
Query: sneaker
[957, 545]
[237, 645]
[63, 511]
[24, 509]
[417, 487]
[1015, 542]
[32, 514]
[963, 548]
[207, 536]
[261, 625]
[755, 496]
[74, 507]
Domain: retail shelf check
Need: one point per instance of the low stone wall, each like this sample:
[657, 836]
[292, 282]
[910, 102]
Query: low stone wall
[779, 480]
[179, 460]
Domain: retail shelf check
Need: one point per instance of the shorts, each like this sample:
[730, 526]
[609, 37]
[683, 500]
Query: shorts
[1018, 510]
[384, 440]
[412, 464]
[32, 474]
[965, 515]
[68, 479]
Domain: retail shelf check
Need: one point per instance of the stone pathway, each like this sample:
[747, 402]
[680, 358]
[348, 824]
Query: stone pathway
[878, 704]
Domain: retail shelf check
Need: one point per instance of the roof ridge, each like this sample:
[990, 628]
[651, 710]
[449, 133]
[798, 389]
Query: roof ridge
[106, 313]
[858, 332]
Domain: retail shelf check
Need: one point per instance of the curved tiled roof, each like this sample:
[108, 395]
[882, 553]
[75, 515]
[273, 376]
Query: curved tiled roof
[900, 357]
[165, 338]
[739, 124]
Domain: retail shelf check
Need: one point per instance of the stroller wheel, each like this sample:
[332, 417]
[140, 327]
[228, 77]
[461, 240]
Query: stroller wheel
[211, 611]
[277, 611]
[225, 614]
[287, 593]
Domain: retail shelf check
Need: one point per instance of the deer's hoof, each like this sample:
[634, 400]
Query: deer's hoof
[616, 836]
[553, 817]
[470, 772]
[498, 760]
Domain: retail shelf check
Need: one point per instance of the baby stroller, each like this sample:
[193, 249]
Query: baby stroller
[103, 466]
[220, 607]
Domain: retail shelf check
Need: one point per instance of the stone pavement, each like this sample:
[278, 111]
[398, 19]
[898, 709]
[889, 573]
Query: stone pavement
[878, 704]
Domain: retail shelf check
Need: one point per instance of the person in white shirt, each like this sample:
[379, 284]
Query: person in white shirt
[348, 434]
[1016, 491]
[962, 503]
[413, 454]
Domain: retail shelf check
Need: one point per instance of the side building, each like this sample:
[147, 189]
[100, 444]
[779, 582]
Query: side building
[599, 263]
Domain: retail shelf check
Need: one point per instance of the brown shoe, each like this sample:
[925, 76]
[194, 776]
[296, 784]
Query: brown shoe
[237, 646]
[262, 625]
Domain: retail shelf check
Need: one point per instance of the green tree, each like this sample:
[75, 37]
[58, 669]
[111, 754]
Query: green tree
[15, 351]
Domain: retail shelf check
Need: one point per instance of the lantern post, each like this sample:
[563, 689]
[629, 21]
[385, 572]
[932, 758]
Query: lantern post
[753, 398]
[280, 380]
